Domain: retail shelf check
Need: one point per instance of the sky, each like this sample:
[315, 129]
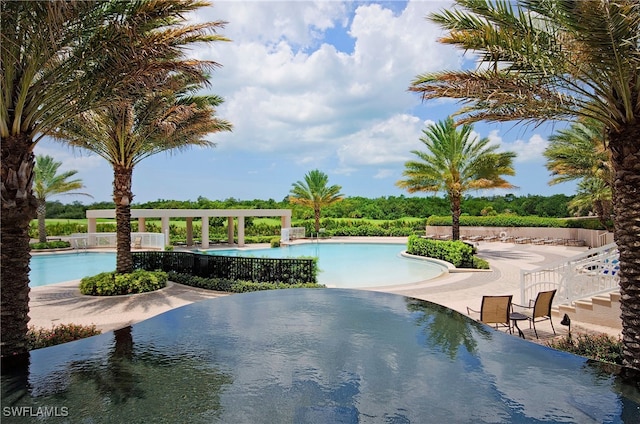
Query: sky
[315, 85]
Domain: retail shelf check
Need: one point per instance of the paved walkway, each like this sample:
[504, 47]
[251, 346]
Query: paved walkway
[63, 303]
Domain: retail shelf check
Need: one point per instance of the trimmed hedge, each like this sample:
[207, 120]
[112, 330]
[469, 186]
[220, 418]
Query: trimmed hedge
[458, 253]
[515, 221]
[58, 244]
[220, 284]
[38, 338]
[112, 284]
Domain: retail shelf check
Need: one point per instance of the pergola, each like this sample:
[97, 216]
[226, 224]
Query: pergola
[189, 214]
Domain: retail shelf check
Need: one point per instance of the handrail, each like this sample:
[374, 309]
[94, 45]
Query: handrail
[592, 272]
[109, 240]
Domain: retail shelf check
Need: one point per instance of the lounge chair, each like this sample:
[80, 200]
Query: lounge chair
[137, 243]
[539, 310]
[495, 311]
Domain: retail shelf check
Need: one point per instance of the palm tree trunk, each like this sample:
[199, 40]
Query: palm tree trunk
[455, 215]
[18, 209]
[626, 159]
[122, 197]
[42, 228]
[317, 219]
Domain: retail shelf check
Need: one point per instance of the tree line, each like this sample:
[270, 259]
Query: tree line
[386, 207]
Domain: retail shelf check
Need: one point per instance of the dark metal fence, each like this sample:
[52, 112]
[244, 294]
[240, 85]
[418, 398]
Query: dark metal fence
[260, 270]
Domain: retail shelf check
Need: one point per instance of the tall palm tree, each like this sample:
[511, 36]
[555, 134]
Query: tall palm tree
[57, 59]
[594, 195]
[456, 162]
[579, 153]
[129, 130]
[47, 183]
[546, 59]
[313, 192]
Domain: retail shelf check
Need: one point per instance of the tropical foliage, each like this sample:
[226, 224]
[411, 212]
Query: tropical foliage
[455, 162]
[59, 59]
[579, 153]
[544, 59]
[314, 193]
[124, 133]
[48, 183]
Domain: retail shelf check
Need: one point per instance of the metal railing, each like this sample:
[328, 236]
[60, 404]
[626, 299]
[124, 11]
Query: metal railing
[236, 268]
[108, 240]
[590, 273]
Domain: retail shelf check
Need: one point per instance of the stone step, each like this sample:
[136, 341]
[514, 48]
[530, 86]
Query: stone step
[601, 310]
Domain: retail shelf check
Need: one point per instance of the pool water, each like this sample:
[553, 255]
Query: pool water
[58, 268]
[315, 356]
[352, 265]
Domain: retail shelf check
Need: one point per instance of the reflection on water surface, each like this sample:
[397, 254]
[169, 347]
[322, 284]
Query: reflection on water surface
[315, 356]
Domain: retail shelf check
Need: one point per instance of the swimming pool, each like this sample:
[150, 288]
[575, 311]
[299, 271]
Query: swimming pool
[352, 265]
[342, 265]
[315, 356]
[61, 267]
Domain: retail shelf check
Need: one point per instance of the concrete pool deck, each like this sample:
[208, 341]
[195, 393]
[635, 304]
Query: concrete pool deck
[63, 303]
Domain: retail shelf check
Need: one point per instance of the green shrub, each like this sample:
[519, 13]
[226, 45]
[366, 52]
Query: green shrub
[499, 221]
[38, 338]
[112, 284]
[601, 347]
[517, 221]
[219, 284]
[458, 253]
[275, 242]
[479, 263]
[58, 244]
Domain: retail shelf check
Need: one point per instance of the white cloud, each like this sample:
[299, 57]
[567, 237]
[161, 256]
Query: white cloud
[287, 92]
[529, 150]
[384, 173]
[385, 142]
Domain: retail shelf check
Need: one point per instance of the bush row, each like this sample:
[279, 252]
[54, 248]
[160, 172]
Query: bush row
[601, 347]
[516, 221]
[220, 284]
[57, 244]
[112, 284]
[38, 338]
[458, 253]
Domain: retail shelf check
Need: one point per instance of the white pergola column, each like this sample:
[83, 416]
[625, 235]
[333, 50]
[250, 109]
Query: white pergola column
[240, 230]
[189, 231]
[92, 228]
[142, 225]
[285, 221]
[165, 229]
[230, 230]
[205, 232]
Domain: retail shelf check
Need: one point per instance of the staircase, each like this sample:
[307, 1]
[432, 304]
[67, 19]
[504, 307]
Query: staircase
[602, 310]
[587, 287]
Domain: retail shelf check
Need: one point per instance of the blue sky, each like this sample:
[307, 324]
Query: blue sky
[315, 85]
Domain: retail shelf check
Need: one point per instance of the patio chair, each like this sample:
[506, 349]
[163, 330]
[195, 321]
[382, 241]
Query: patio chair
[539, 310]
[495, 311]
[137, 243]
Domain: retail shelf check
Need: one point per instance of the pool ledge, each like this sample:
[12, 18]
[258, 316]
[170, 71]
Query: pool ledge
[451, 269]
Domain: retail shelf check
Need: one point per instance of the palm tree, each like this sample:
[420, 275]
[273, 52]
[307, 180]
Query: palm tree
[579, 153]
[313, 192]
[544, 59]
[59, 59]
[47, 183]
[130, 130]
[456, 162]
[594, 195]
